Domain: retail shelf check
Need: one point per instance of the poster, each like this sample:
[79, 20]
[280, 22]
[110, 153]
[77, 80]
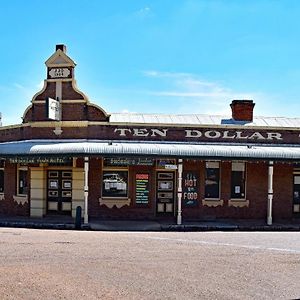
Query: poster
[190, 192]
[142, 188]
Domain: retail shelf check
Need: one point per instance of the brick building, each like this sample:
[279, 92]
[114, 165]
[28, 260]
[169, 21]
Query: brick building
[69, 152]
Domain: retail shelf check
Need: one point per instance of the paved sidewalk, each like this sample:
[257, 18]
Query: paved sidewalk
[66, 222]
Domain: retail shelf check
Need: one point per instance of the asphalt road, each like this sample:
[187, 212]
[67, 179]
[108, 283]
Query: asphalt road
[49, 264]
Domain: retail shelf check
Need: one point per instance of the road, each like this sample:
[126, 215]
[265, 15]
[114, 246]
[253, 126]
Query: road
[49, 264]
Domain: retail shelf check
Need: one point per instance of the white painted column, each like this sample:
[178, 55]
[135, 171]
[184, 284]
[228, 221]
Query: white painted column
[179, 192]
[270, 192]
[86, 189]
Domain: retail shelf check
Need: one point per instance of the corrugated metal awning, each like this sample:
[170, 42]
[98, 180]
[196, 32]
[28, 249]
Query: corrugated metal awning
[150, 149]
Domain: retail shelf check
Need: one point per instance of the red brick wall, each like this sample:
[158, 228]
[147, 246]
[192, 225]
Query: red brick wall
[256, 190]
[8, 206]
[133, 211]
[283, 191]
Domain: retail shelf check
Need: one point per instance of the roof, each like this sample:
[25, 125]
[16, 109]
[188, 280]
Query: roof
[201, 119]
[153, 149]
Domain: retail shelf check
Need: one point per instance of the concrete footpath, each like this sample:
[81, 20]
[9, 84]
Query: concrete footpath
[68, 223]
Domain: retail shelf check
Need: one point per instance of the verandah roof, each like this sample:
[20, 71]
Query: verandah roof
[149, 149]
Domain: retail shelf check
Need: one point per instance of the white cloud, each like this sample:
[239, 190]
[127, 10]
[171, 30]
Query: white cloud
[196, 94]
[143, 12]
[40, 85]
[19, 86]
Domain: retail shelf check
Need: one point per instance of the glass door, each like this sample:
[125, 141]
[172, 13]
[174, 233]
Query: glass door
[165, 189]
[59, 191]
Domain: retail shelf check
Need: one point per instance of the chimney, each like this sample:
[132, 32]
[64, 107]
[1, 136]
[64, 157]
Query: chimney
[61, 47]
[242, 110]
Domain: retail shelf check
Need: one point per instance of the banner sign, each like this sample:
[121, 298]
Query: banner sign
[142, 188]
[53, 109]
[128, 162]
[39, 160]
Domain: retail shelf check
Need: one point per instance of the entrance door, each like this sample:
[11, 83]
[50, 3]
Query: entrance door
[165, 193]
[59, 191]
[296, 200]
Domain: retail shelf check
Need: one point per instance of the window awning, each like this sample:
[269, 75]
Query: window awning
[149, 149]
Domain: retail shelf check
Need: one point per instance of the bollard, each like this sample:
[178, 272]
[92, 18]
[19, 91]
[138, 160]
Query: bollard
[78, 220]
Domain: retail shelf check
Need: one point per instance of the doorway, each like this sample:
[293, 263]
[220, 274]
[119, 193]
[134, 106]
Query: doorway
[59, 192]
[296, 198]
[165, 193]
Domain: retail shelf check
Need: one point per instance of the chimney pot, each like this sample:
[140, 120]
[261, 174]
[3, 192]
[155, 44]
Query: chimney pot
[62, 47]
[242, 110]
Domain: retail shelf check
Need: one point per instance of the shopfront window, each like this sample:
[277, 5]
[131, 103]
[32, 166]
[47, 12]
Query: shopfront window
[22, 180]
[238, 179]
[115, 183]
[212, 180]
[1, 176]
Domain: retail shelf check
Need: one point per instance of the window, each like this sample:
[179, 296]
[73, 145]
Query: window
[238, 180]
[22, 180]
[212, 180]
[296, 200]
[1, 176]
[114, 183]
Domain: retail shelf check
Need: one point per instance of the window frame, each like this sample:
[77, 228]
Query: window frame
[2, 167]
[21, 168]
[114, 169]
[211, 163]
[244, 179]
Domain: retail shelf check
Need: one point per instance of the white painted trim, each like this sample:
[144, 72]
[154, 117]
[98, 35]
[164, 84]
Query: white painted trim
[179, 192]
[86, 189]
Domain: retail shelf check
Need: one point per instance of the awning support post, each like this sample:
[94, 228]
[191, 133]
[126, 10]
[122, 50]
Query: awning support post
[86, 189]
[179, 192]
[270, 192]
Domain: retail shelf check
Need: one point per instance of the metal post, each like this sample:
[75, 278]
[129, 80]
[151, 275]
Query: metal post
[86, 189]
[179, 192]
[270, 192]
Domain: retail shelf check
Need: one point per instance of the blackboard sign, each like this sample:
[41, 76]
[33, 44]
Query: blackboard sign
[190, 193]
[142, 188]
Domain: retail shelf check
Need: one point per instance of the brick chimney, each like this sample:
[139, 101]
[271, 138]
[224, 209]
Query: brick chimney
[242, 110]
[61, 47]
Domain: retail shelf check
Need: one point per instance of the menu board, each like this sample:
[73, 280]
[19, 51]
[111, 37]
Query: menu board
[190, 193]
[142, 188]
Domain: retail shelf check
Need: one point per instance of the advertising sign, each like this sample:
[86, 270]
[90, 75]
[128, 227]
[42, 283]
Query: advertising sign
[128, 162]
[52, 109]
[190, 193]
[142, 188]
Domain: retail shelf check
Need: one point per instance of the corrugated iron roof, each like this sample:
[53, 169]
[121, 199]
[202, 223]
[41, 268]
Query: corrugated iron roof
[154, 149]
[200, 119]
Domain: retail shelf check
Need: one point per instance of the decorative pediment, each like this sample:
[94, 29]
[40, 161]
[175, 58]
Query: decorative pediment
[60, 59]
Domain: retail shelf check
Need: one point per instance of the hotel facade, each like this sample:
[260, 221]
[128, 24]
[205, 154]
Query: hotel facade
[69, 152]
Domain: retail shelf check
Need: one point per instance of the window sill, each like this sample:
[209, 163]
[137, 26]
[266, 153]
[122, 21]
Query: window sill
[21, 199]
[212, 202]
[238, 202]
[111, 202]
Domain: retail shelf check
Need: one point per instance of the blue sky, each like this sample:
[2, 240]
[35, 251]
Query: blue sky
[158, 56]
